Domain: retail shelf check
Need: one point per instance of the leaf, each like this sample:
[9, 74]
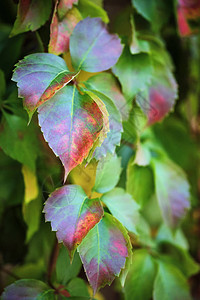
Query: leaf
[77, 287]
[157, 101]
[62, 28]
[187, 13]
[177, 238]
[65, 270]
[32, 202]
[105, 129]
[140, 279]
[72, 215]
[64, 6]
[2, 84]
[71, 122]
[172, 190]
[123, 207]
[26, 289]
[115, 128]
[106, 84]
[31, 15]
[31, 186]
[39, 76]
[155, 11]
[139, 182]
[88, 8]
[103, 252]
[137, 45]
[181, 259]
[92, 47]
[134, 73]
[170, 284]
[84, 175]
[18, 140]
[107, 173]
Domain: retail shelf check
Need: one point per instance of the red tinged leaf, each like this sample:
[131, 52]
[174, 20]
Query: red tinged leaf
[62, 28]
[172, 191]
[158, 100]
[39, 76]
[72, 215]
[187, 10]
[104, 251]
[31, 15]
[71, 123]
[64, 6]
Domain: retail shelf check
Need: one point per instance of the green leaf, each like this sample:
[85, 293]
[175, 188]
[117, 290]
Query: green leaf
[11, 194]
[139, 182]
[2, 84]
[140, 279]
[18, 140]
[77, 287]
[134, 72]
[172, 190]
[92, 47]
[72, 214]
[176, 238]
[180, 258]
[103, 251]
[65, 270]
[155, 11]
[107, 84]
[107, 173]
[123, 207]
[170, 284]
[31, 15]
[88, 8]
[64, 6]
[27, 289]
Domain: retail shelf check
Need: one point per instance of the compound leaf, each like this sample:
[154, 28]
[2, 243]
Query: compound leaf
[104, 251]
[72, 214]
[92, 47]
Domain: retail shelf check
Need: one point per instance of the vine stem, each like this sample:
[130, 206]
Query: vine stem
[52, 263]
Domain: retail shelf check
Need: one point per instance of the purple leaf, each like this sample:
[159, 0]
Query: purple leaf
[92, 47]
[24, 289]
[71, 123]
[39, 76]
[72, 215]
[104, 251]
[172, 191]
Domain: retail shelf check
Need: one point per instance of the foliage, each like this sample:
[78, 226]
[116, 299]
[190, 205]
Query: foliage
[101, 82]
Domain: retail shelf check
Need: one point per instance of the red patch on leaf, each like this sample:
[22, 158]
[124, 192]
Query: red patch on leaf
[187, 10]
